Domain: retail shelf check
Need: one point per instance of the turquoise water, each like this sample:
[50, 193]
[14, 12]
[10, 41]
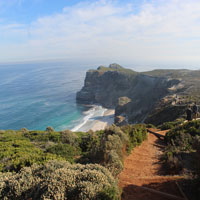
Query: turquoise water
[39, 95]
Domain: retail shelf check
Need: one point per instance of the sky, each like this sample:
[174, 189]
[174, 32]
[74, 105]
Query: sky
[160, 32]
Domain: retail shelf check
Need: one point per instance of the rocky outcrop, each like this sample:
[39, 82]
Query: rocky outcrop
[122, 106]
[106, 85]
[120, 120]
[133, 95]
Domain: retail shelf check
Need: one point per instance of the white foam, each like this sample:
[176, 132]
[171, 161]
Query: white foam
[95, 111]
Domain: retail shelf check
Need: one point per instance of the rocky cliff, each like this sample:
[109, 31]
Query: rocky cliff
[106, 85]
[135, 96]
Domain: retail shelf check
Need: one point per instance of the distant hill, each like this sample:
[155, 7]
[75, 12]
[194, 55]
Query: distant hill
[151, 93]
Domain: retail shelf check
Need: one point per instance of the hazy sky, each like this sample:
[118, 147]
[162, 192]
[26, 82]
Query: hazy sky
[132, 31]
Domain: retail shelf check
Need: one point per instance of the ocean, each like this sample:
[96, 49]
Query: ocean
[36, 95]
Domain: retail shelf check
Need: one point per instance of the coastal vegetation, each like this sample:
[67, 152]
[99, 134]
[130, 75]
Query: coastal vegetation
[59, 180]
[65, 165]
[114, 67]
[182, 155]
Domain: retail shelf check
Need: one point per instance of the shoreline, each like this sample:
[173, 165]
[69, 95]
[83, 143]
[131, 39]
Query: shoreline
[106, 119]
[96, 118]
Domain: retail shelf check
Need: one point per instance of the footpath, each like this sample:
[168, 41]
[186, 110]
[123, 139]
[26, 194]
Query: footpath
[144, 177]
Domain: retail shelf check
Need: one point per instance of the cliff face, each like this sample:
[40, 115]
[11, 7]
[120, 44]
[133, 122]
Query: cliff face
[106, 85]
[140, 92]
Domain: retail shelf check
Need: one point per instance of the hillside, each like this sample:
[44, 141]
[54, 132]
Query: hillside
[149, 95]
[65, 165]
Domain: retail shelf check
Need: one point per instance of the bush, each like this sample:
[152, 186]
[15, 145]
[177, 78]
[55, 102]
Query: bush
[183, 149]
[41, 136]
[150, 126]
[136, 134]
[89, 141]
[2, 131]
[173, 163]
[69, 137]
[183, 135]
[24, 130]
[196, 146]
[17, 151]
[112, 142]
[106, 147]
[114, 163]
[50, 129]
[59, 181]
[166, 126]
[64, 150]
[171, 125]
[17, 154]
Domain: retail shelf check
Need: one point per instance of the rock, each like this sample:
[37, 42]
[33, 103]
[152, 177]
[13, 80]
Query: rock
[123, 105]
[106, 85]
[115, 66]
[120, 120]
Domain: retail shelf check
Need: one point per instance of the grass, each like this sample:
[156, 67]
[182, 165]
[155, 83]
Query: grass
[103, 69]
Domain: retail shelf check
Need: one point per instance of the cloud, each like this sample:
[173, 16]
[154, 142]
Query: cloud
[155, 31]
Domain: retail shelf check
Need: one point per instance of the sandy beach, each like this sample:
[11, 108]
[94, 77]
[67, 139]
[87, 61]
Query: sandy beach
[96, 118]
[102, 122]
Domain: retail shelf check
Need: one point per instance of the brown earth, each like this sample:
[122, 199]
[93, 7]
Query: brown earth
[144, 177]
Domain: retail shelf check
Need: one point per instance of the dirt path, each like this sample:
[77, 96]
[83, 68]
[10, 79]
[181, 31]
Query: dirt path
[143, 172]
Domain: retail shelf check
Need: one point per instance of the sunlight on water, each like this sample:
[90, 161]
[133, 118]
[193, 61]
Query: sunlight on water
[39, 95]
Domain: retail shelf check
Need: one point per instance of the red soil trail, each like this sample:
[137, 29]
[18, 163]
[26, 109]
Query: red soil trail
[143, 171]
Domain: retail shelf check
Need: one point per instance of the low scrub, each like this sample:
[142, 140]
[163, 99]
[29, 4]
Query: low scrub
[181, 142]
[66, 151]
[136, 134]
[182, 155]
[113, 143]
[183, 135]
[15, 154]
[23, 148]
[171, 125]
[28, 173]
[59, 181]
[69, 137]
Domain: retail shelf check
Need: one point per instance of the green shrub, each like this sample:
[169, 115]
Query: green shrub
[106, 147]
[150, 126]
[40, 136]
[183, 147]
[166, 126]
[114, 163]
[171, 125]
[64, 150]
[89, 141]
[60, 181]
[182, 135]
[109, 151]
[19, 153]
[172, 163]
[69, 137]
[136, 133]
